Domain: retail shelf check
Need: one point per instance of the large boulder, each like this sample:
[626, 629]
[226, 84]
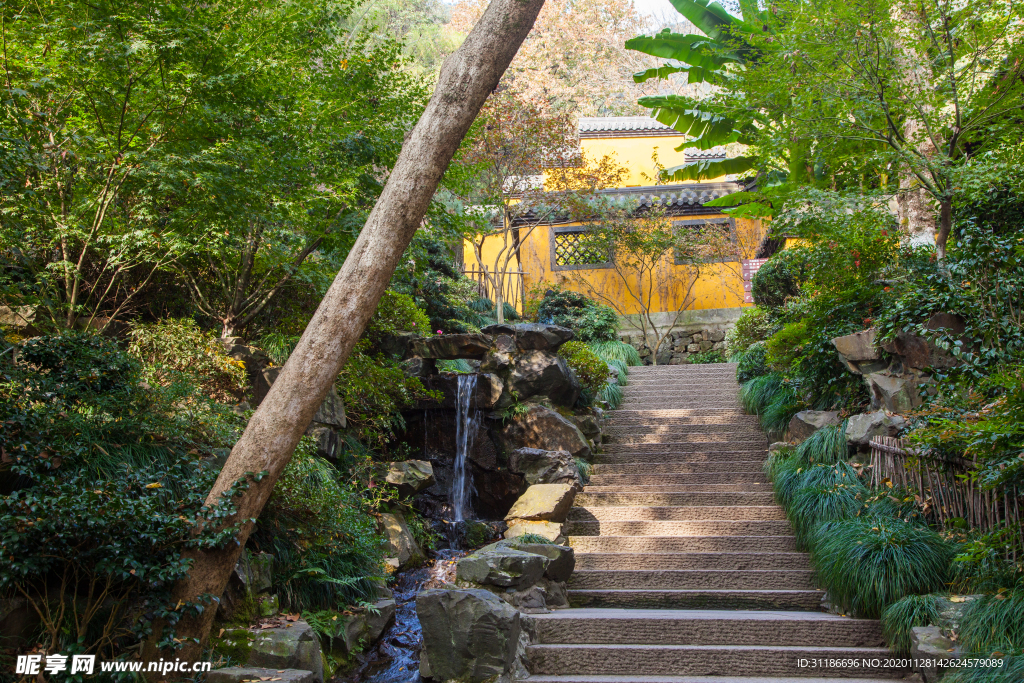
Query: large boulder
[544, 429]
[551, 531]
[892, 392]
[252, 575]
[242, 674]
[292, 647]
[452, 346]
[402, 547]
[503, 566]
[541, 337]
[488, 393]
[358, 631]
[544, 467]
[928, 646]
[860, 429]
[806, 422]
[563, 558]
[544, 503]
[410, 476]
[589, 425]
[468, 635]
[544, 373]
[859, 346]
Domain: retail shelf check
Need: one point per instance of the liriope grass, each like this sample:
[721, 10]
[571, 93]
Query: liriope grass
[621, 366]
[906, 613]
[611, 393]
[1011, 671]
[608, 350]
[868, 563]
[773, 400]
[827, 445]
[994, 622]
[815, 504]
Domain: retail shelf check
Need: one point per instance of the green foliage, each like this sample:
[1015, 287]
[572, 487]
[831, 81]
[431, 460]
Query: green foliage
[533, 538]
[836, 495]
[278, 346]
[419, 527]
[1010, 671]
[709, 356]
[752, 363]
[170, 347]
[983, 564]
[459, 365]
[783, 347]
[994, 622]
[612, 395]
[773, 399]
[868, 563]
[903, 615]
[753, 326]
[591, 321]
[616, 350]
[591, 371]
[396, 313]
[775, 281]
[327, 552]
[585, 468]
[827, 445]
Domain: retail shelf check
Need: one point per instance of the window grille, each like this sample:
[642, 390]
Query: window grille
[577, 249]
[722, 237]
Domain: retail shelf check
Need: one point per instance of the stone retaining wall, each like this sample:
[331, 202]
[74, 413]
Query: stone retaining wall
[680, 346]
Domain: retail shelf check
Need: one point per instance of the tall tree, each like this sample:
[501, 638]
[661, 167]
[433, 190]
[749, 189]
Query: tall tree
[267, 444]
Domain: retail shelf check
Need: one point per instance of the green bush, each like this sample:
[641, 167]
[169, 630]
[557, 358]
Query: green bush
[612, 395]
[705, 357]
[617, 350]
[827, 445]
[784, 347]
[591, 321]
[396, 313]
[773, 400]
[1011, 671]
[868, 563]
[752, 363]
[994, 622]
[903, 615]
[754, 325]
[775, 281]
[591, 371]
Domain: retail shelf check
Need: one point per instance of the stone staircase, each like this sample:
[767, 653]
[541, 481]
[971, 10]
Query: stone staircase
[686, 569]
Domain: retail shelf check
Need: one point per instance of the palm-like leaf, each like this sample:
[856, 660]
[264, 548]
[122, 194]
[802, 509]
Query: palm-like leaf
[707, 123]
[707, 169]
[690, 49]
[695, 74]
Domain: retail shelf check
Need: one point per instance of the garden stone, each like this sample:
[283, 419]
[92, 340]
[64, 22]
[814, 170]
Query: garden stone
[398, 345]
[928, 643]
[468, 635]
[706, 345]
[895, 394]
[552, 531]
[543, 428]
[362, 630]
[588, 425]
[544, 373]
[665, 356]
[452, 346]
[717, 336]
[489, 394]
[563, 557]
[544, 502]
[779, 446]
[859, 346]
[860, 429]
[402, 545]
[693, 348]
[951, 613]
[237, 674]
[419, 367]
[503, 566]
[328, 442]
[541, 337]
[500, 328]
[270, 605]
[292, 647]
[544, 467]
[806, 422]
[411, 476]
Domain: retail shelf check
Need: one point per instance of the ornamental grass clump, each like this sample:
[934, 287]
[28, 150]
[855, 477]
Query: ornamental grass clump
[815, 504]
[994, 623]
[868, 563]
[773, 400]
[906, 613]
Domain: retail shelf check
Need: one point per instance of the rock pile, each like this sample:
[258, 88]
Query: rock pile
[681, 345]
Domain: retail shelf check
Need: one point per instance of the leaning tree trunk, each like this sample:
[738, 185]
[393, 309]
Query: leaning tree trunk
[467, 77]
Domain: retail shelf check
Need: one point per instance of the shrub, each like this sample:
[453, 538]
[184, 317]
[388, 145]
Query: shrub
[705, 357]
[327, 553]
[752, 363]
[591, 371]
[617, 350]
[784, 347]
[982, 562]
[1010, 671]
[827, 445]
[612, 395]
[396, 313]
[903, 615]
[773, 400]
[590, 320]
[868, 563]
[754, 325]
[178, 346]
[994, 622]
[775, 281]
[814, 504]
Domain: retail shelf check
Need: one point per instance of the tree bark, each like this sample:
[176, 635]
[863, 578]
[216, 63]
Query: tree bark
[467, 78]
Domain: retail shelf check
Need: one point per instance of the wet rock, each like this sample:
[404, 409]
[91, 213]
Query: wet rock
[502, 566]
[401, 544]
[544, 429]
[296, 647]
[545, 467]
[552, 531]
[468, 635]
[489, 393]
[806, 422]
[357, 632]
[411, 476]
[893, 393]
[473, 533]
[452, 346]
[779, 446]
[544, 502]
[544, 373]
[328, 441]
[237, 674]
[860, 429]
[541, 337]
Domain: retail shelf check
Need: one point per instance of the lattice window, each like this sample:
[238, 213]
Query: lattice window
[716, 236]
[577, 249]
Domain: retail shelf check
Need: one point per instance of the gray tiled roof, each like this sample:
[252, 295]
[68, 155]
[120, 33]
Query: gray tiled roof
[604, 125]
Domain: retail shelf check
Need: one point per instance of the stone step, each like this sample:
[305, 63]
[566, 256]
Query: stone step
[706, 627]
[670, 427]
[688, 369]
[698, 455]
[686, 446]
[676, 401]
[743, 435]
[692, 579]
[582, 678]
[679, 467]
[682, 544]
[709, 660]
[706, 560]
[615, 419]
[618, 513]
[689, 527]
[673, 498]
[701, 389]
[673, 413]
[665, 479]
[698, 599]
[739, 487]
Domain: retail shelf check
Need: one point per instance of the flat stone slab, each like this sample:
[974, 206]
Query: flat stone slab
[240, 674]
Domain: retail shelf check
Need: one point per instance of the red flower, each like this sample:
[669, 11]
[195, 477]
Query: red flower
[857, 263]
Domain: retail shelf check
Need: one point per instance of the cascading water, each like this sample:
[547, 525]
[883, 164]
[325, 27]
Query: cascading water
[467, 422]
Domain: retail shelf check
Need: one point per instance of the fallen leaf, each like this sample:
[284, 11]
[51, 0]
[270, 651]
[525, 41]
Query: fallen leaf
[154, 485]
[221, 633]
[957, 598]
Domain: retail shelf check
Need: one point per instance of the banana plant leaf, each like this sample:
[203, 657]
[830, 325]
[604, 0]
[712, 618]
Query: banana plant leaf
[708, 169]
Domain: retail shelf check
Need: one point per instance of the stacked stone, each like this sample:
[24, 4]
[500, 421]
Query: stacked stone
[680, 346]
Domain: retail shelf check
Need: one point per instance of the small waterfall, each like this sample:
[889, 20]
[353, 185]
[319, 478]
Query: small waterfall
[466, 424]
